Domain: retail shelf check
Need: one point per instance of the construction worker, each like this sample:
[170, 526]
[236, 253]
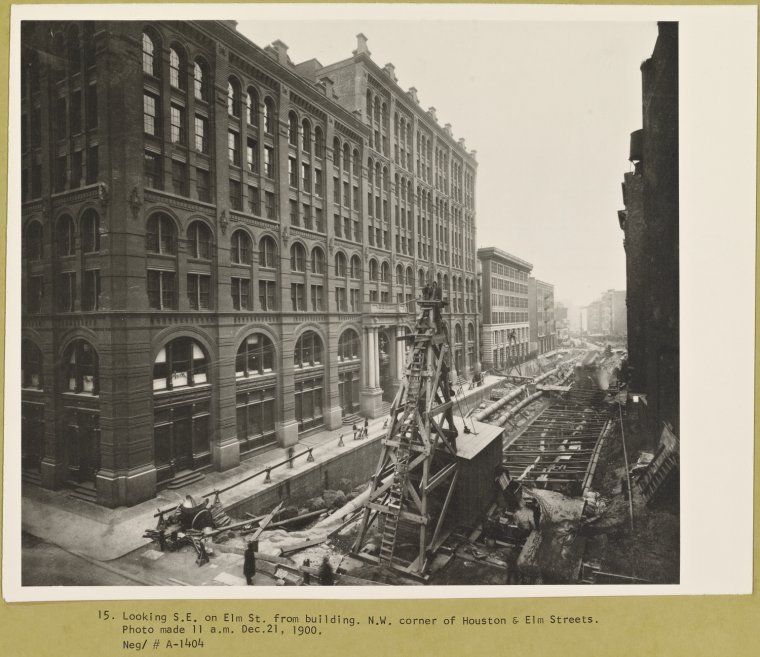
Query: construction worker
[249, 563]
[326, 575]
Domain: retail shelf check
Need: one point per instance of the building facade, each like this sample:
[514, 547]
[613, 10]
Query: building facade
[504, 299]
[650, 225]
[543, 331]
[214, 259]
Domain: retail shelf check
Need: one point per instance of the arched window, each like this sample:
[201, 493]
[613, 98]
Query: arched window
[319, 142]
[33, 241]
[182, 362]
[377, 175]
[356, 267]
[255, 356]
[346, 157]
[369, 105]
[176, 68]
[458, 334]
[80, 364]
[292, 129]
[90, 230]
[252, 107]
[409, 277]
[355, 163]
[240, 248]
[308, 350]
[233, 97]
[349, 346]
[385, 178]
[150, 57]
[421, 278]
[470, 333]
[269, 117]
[385, 272]
[317, 261]
[373, 270]
[200, 80]
[376, 116]
[267, 253]
[336, 152]
[31, 365]
[161, 234]
[297, 257]
[306, 137]
[65, 236]
[399, 275]
[340, 264]
[199, 240]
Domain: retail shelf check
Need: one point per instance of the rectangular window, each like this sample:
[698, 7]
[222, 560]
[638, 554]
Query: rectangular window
[337, 225]
[356, 197]
[161, 289]
[373, 296]
[252, 154]
[67, 291]
[179, 178]
[150, 112]
[357, 232]
[346, 195]
[319, 221]
[340, 299]
[76, 113]
[76, 170]
[354, 298]
[201, 134]
[267, 298]
[199, 291]
[91, 110]
[241, 293]
[153, 172]
[269, 162]
[297, 296]
[179, 129]
[269, 204]
[91, 290]
[318, 182]
[306, 177]
[336, 191]
[307, 222]
[34, 290]
[293, 205]
[61, 173]
[61, 119]
[253, 200]
[317, 297]
[203, 185]
[233, 147]
[292, 173]
[236, 195]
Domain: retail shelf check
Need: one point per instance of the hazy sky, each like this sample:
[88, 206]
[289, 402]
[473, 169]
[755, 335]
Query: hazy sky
[549, 107]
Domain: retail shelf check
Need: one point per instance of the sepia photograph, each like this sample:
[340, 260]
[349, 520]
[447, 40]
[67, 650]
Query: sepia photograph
[348, 303]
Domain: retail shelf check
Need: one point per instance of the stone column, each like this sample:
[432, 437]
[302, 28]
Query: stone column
[371, 358]
[376, 357]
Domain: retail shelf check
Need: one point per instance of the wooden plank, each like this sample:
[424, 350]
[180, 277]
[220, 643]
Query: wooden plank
[265, 522]
[303, 544]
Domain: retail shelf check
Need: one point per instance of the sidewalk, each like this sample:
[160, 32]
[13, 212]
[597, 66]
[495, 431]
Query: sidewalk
[104, 534]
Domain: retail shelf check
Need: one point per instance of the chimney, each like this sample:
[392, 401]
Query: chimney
[412, 93]
[431, 112]
[361, 45]
[461, 144]
[447, 129]
[328, 85]
[390, 70]
[474, 154]
[282, 52]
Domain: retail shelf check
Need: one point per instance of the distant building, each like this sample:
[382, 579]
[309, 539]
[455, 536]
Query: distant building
[650, 224]
[543, 335]
[562, 321]
[504, 301]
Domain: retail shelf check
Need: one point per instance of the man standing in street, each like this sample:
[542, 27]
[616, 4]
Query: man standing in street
[249, 563]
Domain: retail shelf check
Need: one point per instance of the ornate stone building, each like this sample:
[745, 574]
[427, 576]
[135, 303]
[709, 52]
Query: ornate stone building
[220, 248]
